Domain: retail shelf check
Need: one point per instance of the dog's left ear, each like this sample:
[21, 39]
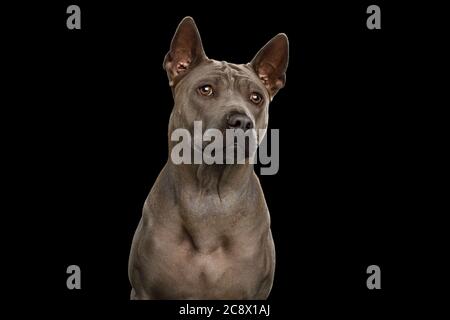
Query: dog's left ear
[186, 51]
[271, 62]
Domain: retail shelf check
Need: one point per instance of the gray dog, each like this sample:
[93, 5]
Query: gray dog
[205, 229]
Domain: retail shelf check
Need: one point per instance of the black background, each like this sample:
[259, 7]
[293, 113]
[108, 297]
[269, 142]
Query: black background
[96, 111]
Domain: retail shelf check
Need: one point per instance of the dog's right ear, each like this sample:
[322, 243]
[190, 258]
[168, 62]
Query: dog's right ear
[186, 51]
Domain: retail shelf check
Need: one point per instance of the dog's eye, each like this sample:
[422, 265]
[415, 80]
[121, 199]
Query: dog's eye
[256, 98]
[206, 90]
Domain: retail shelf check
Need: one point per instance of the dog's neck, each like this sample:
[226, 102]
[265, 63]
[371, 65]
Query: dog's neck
[213, 179]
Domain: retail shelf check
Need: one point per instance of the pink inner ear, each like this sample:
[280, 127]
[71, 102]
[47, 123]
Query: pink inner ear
[263, 72]
[182, 58]
[182, 66]
[264, 78]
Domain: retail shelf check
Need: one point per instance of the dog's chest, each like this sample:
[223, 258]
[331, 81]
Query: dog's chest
[218, 267]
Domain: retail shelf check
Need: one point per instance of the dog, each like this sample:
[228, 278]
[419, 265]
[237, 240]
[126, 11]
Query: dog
[205, 228]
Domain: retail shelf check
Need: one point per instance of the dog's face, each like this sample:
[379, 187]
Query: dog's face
[222, 95]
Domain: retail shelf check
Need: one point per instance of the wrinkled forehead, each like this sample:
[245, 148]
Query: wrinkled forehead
[230, 73]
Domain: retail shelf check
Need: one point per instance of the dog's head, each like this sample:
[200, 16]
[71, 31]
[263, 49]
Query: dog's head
[220, 94]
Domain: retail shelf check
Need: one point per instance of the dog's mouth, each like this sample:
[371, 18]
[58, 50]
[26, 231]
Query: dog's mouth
[239, 150]
[230, 149]
[230, 153]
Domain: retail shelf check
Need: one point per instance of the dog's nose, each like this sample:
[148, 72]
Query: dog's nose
[240, 121]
